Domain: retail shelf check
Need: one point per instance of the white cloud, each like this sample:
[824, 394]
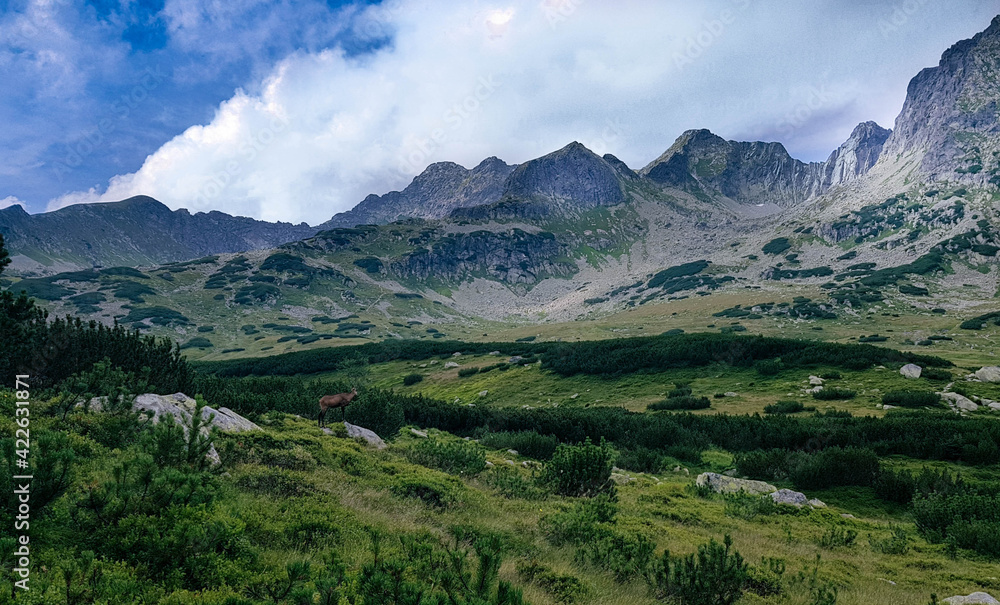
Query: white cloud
[9, 201]
[515, 79]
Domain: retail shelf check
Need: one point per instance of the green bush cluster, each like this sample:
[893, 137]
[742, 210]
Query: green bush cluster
[526, 443]
[454, 457]
[715, 575]
[833, 394]
[580, 470]
[912, 399]
[787, 406]
[829, 467]
[411, 379]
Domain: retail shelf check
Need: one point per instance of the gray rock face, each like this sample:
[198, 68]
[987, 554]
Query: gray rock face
[513, 257]
[976, 598]
[988, 374]
[434, 193]
[910, 371]
[722, 484]
[787, 496]
[359, 432]
[573, 174]
[760, 173]
[950, 113]
[136, 231]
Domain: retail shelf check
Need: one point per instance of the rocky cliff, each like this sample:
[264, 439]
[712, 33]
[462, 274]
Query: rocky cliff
[951, 114]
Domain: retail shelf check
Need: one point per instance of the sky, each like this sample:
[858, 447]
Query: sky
[295, 110]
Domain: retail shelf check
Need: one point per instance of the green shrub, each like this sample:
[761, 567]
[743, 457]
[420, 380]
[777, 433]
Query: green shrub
[837, 536]
[641, 460]
[378, 411]
[936, 374]
[624, 554]
[777, 246]
[204, 329]
[454, 457]
[412, 379]
[835, 375]
[897, 543]
[564, 588]
[369, 264]
[466, 372]
[787, 406]
[686, 402]
[746, 507]
[580, 470]
[439, 492]
[509, 482]
[526, 443]
[768, 367]
[834, 466]
[713, 576]
[198, 342]
[911, 399]
[834, 394]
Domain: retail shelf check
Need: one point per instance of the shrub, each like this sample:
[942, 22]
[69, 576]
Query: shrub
[837, 536]
[936, 374]
[641, 460]
[564, 588]
[835, 375]
[454, 457]
[786, 406]
[198, 342]
[577, 525]
[685, 402]
[777, 246]
[580, 470]
[713, 576]
[511, 483]
[412, 379]
[377, 410]
[526, 443]
[466, 372]
[768, 367]
[911, 399]
[624, 554]
[747, 507]
[834, 466]
[834, 394]
[439, 492]
[897, 543]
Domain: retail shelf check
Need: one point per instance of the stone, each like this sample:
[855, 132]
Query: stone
[483, 393]
[958, 401]
[722, 484]
[512, 452]
[787, 496]
[456, 354]
[815, 380]
[817, 503]
[181, 407]
[421, 434]
[731, 394]
[493, 353]
[976, 598]
[988, 374]
[423, 365]
[450, 364]
[489, 464]
[730, 473]
[360, 432]
[911, 371]
[889, 407]
[847, 515]
[574, 395]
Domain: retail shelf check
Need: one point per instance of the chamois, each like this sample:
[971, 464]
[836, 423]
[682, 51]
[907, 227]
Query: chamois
[340, 400]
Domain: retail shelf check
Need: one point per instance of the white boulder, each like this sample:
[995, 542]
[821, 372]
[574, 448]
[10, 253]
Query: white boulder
[359, 432]
[959, 401]
[988, 374]
[787, 496]
[976, 598]
[910, 371]
[721, 484]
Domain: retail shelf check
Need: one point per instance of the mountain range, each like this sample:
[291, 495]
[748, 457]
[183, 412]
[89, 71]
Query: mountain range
[903, 215]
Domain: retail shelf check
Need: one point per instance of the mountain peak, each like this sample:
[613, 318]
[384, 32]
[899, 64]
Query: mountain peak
[572, 174]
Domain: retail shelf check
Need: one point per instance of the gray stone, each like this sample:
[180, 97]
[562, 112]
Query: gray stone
[787, 496]
[360, 432]
[494, 353]
[722, 484]
[910, 371]
[731, 394]
[817, 503]
[515, 359]
[450, 364]
[988, 374]
[483, 393]
[418, 433]
[489, 464]
[815, 380]
[958, 401]
[976, 598]
[512, 452]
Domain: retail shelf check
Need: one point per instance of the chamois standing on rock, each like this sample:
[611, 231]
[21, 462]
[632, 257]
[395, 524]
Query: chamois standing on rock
[340, 400]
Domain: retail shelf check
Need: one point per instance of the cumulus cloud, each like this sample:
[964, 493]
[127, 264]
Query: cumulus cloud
[9, 201]
[518, 79]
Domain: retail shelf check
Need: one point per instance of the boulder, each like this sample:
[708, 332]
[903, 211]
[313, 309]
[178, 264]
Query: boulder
[817, 503]
[450, 364]
[976, 598]
[359, 432]
[731, 394]
[815, 380]
[787, 496]
[421, 434]
[960, 402]
[722, 484]
[910, 371]
[182, 407]
[988, 374]
[493, 353]
[515, 359]
[483, 393]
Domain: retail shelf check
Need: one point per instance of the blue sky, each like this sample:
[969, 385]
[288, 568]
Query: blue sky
[296, 110]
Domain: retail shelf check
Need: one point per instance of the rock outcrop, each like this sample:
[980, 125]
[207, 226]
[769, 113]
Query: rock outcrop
[359, 432]
[910, 370]
[988, 374]
[721, 484]
[976, 598]
[792, 498]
